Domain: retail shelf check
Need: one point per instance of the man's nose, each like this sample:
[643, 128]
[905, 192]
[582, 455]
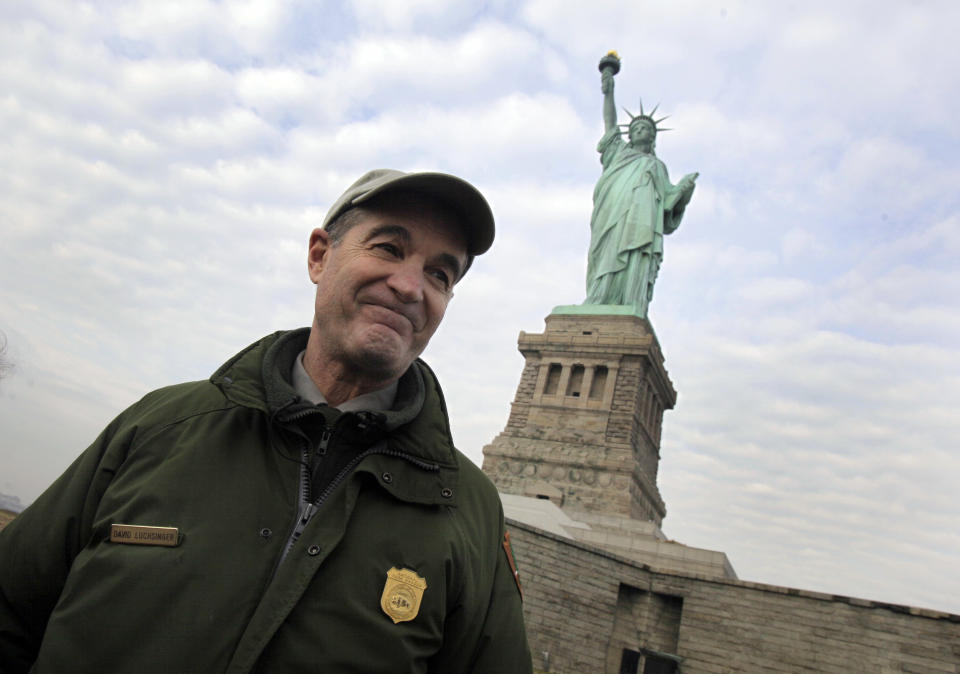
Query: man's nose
[407, 281]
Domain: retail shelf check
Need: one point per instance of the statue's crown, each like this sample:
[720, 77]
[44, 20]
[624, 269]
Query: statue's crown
[644, 117]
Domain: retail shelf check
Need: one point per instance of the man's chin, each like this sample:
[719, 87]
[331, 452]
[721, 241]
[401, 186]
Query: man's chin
[386, 357]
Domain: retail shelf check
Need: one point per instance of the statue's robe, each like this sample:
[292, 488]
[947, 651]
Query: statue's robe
[634, 205]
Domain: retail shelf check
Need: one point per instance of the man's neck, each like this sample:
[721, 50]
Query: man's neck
[331, 376]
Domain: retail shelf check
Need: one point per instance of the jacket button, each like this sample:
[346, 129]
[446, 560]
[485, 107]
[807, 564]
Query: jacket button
[387, 477]
[446, 492]
[313, 550]
[266, 533]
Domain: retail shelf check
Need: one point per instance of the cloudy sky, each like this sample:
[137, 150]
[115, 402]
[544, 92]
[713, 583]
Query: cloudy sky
[162, 165]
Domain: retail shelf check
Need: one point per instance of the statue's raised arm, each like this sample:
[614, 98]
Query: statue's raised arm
[634, 206]
[609, 66]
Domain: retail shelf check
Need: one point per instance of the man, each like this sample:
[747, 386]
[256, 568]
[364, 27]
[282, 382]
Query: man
[304, 509]
[634, 206]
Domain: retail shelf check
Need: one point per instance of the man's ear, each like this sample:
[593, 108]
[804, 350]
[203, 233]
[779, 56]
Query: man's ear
[317, 252]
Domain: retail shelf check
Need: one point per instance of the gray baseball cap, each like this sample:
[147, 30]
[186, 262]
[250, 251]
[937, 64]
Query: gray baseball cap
[465, 200]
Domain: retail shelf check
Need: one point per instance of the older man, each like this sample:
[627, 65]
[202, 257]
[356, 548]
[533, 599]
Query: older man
[302, 510]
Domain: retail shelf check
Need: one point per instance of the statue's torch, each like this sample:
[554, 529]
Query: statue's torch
[610, 62]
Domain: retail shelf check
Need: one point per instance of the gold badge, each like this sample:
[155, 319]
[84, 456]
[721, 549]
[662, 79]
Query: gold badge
[140, 535]
[402, 594]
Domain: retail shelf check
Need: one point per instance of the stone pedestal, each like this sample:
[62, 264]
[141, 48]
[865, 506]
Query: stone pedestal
[584, 428]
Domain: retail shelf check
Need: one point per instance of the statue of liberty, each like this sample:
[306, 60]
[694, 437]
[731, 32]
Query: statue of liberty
[634, 206]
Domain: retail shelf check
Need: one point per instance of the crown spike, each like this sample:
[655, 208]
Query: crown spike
[646, 117]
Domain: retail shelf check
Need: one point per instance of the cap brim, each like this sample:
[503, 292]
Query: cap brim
[457, 194]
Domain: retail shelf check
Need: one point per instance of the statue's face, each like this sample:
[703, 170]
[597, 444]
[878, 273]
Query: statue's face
[642, 133]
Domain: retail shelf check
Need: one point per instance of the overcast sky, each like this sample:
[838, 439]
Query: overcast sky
[162, 165]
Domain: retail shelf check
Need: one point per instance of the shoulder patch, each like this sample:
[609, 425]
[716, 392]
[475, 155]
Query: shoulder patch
[513, 564]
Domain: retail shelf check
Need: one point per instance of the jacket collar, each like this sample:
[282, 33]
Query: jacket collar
[258, 377]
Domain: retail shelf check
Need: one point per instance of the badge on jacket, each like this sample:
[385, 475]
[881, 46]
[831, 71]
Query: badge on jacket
[402, 594]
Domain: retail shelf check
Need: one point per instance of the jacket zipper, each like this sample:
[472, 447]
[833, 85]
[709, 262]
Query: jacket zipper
[309, 508]
[306, 507]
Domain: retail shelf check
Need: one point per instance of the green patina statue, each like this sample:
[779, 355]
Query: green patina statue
[634, 205]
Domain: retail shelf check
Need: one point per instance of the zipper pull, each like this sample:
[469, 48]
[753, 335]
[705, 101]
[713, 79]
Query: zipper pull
[324, 441]
[306, 513]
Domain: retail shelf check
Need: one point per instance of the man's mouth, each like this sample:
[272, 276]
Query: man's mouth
[394, 317]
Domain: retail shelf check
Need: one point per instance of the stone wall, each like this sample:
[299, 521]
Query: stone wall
[585, 608]
[586, 416]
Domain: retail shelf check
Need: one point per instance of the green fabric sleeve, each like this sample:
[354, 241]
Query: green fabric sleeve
[503, 640]
[38, 547]
[487, 635]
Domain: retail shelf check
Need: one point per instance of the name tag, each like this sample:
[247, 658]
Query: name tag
[138, 535]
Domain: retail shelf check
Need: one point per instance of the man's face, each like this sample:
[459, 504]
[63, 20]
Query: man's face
[383, 289]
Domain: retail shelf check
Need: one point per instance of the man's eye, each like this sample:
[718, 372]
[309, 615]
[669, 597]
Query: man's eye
[389, 248]
[441, 276]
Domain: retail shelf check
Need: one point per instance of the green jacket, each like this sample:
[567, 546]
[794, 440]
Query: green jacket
[223, 461]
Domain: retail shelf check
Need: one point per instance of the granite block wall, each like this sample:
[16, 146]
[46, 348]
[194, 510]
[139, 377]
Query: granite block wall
[584, 607]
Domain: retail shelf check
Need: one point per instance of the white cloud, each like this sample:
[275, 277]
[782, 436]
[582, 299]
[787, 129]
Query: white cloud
[164, 165]
[799, 244]
[414, 15]
[286, 95]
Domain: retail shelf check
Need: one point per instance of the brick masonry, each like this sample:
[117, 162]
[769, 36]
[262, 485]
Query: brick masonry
[584, 606]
